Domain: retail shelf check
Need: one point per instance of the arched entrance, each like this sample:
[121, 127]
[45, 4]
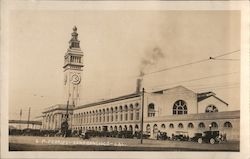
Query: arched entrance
[155, 131]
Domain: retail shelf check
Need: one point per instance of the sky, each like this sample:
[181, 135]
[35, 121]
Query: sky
[116, 45]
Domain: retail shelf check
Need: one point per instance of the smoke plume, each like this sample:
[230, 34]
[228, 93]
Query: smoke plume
[151, 58]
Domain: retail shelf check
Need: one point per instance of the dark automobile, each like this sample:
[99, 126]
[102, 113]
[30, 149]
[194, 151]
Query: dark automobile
[162, 136]
[210, 137]
[196, 137]
[85, 135]
[180, 136]
[125, 134]
[138, 135]
[114, 133]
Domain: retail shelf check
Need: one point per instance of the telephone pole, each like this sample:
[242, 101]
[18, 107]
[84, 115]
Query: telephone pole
[28, 119]
[142, 110]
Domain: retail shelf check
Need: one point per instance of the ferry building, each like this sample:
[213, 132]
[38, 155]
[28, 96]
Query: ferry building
[171, 110]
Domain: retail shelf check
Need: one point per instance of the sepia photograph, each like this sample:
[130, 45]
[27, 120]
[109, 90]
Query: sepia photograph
[124, 80]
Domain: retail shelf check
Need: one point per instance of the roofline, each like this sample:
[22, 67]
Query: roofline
[134, 95]
[220, 100]
[216, 98]
[69, 109]
[172, 88]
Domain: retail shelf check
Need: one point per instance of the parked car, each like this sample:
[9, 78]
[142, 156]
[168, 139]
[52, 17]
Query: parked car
[162, 136]
[138, 135]
[85, 135]
[210, 137]
[125, 134]
[180, 136]
[196, 137]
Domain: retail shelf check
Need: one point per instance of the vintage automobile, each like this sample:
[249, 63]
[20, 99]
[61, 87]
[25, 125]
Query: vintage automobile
[114, 133]
[125, 134]
[138, 135]
[84, 135]
[162, 136]
[196, 137]
[211, 137]
[180, 136]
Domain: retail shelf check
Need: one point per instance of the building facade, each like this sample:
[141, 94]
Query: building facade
[174, 110]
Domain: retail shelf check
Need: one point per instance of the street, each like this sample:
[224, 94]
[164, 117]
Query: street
[35, 143]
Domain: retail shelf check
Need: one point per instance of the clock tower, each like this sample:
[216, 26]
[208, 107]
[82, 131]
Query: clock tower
[73, 64]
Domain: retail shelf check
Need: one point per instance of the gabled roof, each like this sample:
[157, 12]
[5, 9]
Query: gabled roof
[205, 95]
[160, 91]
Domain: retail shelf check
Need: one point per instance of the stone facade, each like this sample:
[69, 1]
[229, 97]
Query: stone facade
[160, 114]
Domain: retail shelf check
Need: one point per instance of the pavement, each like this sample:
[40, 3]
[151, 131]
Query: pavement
[34, 143]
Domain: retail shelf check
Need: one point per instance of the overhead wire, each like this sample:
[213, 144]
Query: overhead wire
[194, 62]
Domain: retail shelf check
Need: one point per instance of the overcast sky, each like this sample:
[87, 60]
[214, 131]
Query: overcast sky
[114, 45]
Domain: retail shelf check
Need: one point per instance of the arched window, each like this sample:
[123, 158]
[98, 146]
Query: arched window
[136, 127]
[107, 110]
[163, 126]
[151, 110]
[201, 125]
[171, 125]
[126, 112]
[120, 128]
[148, 129]
[112, 114]
[180, 107]
[125, 128]
[116, 114]
[131, 116]
[190, 125]
[180, 125]
[214, 125]
[211, 108]
[93, 116]
[100, 115]
[137, 111]
[96, 112]
[111, 128]
[228, 125]
[121, 116]
[130, 128]
[155, 128]
[103, 115]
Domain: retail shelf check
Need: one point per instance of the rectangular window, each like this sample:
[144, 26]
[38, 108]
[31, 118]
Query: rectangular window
[121, 117]
[126, 116]
[137, 115]
[131, 116]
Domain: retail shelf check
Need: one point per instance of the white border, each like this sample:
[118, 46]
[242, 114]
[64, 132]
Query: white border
[10, 5]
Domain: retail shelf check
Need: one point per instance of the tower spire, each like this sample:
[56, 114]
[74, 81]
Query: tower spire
[74, 42]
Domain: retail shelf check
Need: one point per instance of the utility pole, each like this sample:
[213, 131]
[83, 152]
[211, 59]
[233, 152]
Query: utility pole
[142, 110]
[28, 119]
[20, 118]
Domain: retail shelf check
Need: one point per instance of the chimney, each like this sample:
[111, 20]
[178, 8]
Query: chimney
[138, 85]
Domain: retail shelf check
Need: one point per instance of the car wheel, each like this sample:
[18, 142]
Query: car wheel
[212, 141]
[200, 140]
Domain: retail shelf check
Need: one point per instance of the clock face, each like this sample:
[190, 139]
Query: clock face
[75, 79]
